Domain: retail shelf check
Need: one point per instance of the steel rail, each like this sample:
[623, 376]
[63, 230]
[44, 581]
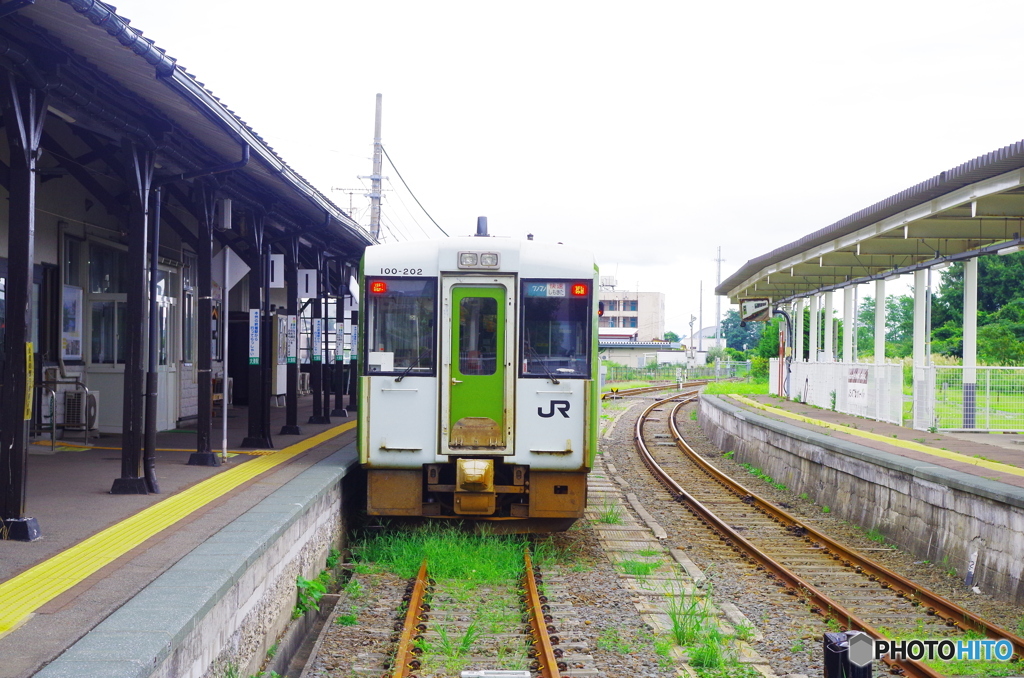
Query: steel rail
[823, 604]
[548, 664]
[649, 389]
[405, 656]
[954, 615]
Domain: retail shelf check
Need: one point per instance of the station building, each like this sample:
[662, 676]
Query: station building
[127, 186]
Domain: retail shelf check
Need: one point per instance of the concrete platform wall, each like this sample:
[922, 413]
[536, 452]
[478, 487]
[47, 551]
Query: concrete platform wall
[935, 513]
[223, 605]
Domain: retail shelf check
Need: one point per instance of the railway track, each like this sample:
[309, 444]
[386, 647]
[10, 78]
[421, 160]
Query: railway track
[821, 574]
[437, 631]
[626, 392]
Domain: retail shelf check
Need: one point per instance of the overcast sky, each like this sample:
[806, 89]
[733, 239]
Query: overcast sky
[652, 133]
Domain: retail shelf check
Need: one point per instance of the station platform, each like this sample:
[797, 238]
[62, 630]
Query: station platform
[950, 498]
[993, 456]
[98, 550]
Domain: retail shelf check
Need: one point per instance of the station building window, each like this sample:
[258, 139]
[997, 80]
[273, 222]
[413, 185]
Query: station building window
[400, 325]
[108, 296]
[556, 321]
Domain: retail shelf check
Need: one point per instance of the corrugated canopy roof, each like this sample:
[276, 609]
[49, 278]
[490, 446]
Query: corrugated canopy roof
[973, 208]
[150, 83]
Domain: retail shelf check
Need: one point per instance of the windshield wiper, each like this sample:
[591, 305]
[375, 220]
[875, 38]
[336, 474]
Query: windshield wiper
[543, 365]
[412, 364]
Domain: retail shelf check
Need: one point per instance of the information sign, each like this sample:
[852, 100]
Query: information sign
[254, 336]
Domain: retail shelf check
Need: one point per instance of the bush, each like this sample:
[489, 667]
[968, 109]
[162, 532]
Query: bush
[759, 368]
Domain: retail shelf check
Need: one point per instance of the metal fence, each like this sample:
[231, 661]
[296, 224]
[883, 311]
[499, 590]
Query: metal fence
[861, 389]
[978, 398]
[722, 369]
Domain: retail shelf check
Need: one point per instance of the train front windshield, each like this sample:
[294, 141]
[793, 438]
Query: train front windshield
[400, 325]
[556, 321]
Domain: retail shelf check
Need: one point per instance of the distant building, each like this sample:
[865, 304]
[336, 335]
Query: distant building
[643, 312]
[704, 339]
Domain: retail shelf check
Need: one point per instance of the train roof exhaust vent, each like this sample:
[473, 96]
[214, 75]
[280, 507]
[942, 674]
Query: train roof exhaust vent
[481, 227]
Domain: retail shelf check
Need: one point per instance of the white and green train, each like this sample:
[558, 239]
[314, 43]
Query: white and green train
[478, 383]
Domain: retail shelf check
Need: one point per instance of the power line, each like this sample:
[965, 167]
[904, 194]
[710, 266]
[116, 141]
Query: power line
[392, 163]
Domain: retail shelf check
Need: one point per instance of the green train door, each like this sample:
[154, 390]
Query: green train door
[477, 409]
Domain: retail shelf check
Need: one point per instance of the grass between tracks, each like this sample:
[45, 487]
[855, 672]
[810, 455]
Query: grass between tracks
[476, 602]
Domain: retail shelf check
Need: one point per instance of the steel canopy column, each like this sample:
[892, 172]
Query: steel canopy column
[291, 282]
[139, 165]
[258, 425]
[24, 111]
[879, 322]
[970, 342]
[204, 206]
[798, 340]
[830, 355]
[920, 309]
[848, 329]
[812, 347]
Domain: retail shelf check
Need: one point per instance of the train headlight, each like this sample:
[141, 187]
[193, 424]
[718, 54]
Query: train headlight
[488, 260]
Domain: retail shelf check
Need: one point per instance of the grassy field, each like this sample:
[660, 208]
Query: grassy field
[737, 387]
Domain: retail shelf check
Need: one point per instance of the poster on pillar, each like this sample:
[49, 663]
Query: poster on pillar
[254, 336]
[293, 336]
[318, 339]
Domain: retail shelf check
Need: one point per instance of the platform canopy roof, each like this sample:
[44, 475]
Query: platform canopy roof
[111, 83]
[973, 209]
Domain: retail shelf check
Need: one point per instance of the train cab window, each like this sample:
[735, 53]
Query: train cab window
[400, 325]
[555, 340]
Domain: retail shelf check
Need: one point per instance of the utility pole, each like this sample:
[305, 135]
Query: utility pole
[700, 323]
[718, 300]
[375, 177]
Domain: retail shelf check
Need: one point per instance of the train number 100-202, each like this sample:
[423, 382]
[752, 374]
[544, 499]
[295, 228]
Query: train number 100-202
[401, 271]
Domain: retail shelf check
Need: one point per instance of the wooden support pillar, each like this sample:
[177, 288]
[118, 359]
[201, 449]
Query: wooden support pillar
[24, 111]
[339, 340]
[259, 394]
[291, 283]
[139, 169]
[316, 360]
[204, 207]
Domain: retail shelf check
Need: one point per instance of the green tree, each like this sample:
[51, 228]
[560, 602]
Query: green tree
[736, 335]
[999, 283]
[768, 346]
[671, 336]
[716, 353]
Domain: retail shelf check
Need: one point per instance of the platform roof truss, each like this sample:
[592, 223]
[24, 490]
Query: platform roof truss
[971, 219]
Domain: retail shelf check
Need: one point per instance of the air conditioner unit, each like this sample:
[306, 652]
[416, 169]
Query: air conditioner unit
[80, 412]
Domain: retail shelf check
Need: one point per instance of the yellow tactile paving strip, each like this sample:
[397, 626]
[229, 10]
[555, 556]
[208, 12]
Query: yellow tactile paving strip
[895, 442]
[21, 595]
